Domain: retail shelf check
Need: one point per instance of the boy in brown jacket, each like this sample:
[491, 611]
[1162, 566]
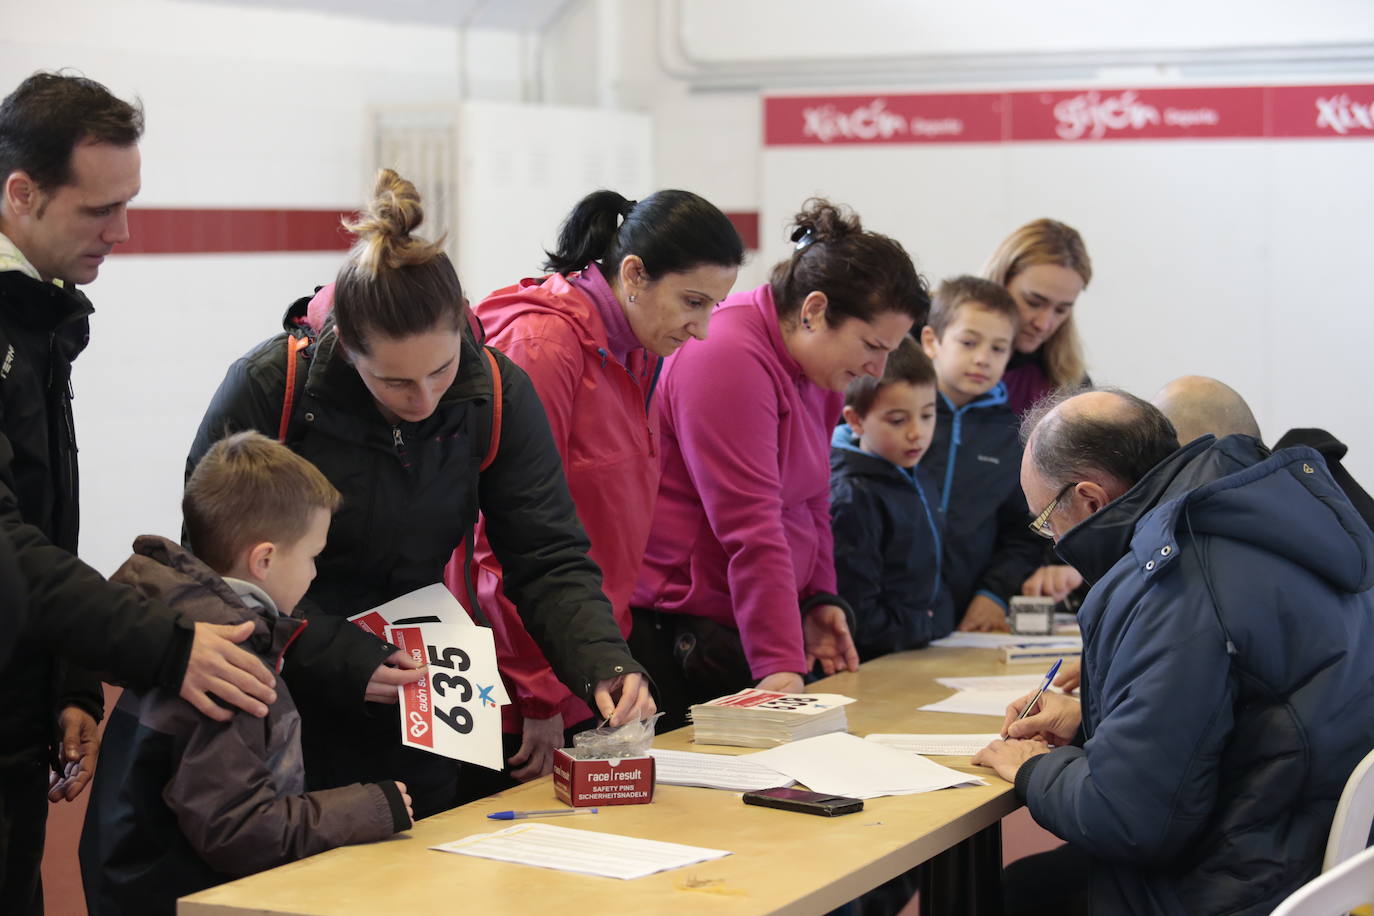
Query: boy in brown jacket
[181, 803]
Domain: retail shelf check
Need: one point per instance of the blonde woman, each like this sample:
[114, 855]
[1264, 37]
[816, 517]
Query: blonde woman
[1045, 266]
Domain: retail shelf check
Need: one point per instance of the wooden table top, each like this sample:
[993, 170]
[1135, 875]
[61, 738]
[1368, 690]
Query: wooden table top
[782, 862]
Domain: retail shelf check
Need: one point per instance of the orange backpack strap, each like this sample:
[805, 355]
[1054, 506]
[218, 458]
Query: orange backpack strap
[494, 440]
[294, 345]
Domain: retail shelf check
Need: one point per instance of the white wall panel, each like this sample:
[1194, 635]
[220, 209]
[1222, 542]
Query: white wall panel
[1236, 259]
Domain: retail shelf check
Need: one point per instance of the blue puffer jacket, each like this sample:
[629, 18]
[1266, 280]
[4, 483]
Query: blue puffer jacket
[887, 551]
[1228, 687]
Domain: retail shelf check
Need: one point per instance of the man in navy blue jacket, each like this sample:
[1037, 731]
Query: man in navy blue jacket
[1227, 692]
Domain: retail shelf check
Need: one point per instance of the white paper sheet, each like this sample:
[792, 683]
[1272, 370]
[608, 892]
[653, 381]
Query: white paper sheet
[935, 745]
[583, 851]
[1023, 682]
[960, 640]
[431, 604]
[844, 764]
[714, 771]
[978, 702]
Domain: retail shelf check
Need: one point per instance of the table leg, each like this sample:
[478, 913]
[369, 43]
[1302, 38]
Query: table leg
[965, 880]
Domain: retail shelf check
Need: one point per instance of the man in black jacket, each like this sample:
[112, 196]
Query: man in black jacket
[69, 165]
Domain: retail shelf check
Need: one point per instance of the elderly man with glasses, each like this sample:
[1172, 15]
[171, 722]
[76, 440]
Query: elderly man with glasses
[1227, 689]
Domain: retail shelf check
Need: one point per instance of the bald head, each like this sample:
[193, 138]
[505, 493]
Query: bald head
[1107, 435]
[1198, 405]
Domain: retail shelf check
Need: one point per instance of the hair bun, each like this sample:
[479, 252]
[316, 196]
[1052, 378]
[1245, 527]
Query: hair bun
[384, 227]
[823, 221]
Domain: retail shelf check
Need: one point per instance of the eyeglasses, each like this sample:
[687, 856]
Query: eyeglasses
[1041, 525]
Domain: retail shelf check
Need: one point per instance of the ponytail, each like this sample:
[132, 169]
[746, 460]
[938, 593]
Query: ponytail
[670, 231]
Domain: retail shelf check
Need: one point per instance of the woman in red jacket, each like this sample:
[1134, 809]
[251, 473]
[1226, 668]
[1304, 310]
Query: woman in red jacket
[630, 283]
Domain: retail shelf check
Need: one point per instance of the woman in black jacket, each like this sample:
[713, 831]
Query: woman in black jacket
[397, 410]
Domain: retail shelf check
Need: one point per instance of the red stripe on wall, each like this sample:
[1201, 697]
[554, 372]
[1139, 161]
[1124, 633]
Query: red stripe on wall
[746, 223]
[154, 231]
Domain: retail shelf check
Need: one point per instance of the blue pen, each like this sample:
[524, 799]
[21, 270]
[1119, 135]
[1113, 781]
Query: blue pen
[556, 812]
[1049, 679]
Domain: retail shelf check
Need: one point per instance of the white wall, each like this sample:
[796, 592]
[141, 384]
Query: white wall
[245, 108]
[1239, 259]
[725, 31]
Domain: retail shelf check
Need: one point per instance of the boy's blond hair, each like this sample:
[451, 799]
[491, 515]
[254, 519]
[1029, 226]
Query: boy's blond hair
[249, 489]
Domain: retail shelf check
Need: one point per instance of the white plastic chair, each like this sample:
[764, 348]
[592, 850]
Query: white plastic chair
[1354, 816]
[1338, 891]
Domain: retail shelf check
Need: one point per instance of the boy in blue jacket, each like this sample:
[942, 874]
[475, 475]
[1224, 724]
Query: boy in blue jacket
[975, 457]
[887, 537]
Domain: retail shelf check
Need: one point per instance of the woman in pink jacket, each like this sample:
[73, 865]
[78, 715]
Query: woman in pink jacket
[738, 582]
[630, 282]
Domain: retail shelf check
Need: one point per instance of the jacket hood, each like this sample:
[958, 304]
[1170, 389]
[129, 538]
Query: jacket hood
[994, 397]
[1286, 504]
[846, 456]
[165, 571]
[553, 296]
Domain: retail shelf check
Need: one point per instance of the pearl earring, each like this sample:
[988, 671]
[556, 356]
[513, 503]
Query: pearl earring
[632, 297]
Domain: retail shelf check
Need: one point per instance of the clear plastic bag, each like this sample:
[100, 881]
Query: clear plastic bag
[632, 739]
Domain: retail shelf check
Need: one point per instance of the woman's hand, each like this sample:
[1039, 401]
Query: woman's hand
[624, 698]
[782, 682]
[539, 739]
[825, 634]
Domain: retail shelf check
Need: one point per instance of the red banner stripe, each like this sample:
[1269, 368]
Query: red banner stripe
[166, 231]
[1072, 115]
[158, 231]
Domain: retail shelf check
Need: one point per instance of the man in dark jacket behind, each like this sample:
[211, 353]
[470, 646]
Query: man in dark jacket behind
[1227, 692]
[69, 165]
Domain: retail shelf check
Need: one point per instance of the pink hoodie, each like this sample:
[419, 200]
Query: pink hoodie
[741, 529]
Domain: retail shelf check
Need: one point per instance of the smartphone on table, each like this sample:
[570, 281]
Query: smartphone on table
[805, 802]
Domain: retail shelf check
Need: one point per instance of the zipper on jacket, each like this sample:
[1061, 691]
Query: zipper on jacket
[958, 416]
[396, 438]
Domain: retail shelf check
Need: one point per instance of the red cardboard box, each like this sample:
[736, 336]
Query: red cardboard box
[580, 783]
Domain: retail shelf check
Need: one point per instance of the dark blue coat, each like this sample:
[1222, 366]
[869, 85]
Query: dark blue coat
[1228, 688]
[887, 551]
[974, 461]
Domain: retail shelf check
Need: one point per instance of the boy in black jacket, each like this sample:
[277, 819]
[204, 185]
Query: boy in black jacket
[887, 536]
[975, 456]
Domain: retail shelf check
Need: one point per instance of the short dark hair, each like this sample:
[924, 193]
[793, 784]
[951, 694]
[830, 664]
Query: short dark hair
[908, 363]
[671, 232]
[49, 114]
[249, 489]
[957, 292]
[394, 283]
[1124, 445]
[863, 274]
